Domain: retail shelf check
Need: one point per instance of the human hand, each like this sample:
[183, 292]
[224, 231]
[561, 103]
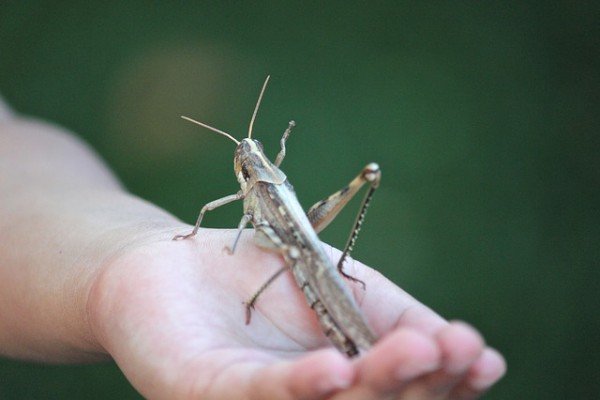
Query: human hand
[101, 279]
[171, 315]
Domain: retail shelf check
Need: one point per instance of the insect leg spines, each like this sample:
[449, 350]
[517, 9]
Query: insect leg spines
[324, 211]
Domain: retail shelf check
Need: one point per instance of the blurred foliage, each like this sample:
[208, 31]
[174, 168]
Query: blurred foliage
[483, 116]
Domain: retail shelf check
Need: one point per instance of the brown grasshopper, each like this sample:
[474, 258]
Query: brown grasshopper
[281, 225]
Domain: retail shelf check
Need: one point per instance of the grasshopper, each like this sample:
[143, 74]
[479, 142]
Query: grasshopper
[281, 225]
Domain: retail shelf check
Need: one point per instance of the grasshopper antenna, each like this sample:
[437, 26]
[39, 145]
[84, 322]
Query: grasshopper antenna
[262, 91]
[212, 129]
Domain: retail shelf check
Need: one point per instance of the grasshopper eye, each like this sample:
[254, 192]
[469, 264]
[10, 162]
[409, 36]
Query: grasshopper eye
[245, 173]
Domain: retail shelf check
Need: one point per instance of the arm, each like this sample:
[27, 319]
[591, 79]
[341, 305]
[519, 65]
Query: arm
[63, 216]
[88, 271]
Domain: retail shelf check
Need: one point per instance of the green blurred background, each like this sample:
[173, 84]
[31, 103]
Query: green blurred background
[483, 117]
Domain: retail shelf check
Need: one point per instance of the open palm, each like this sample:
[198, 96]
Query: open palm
[171, 315]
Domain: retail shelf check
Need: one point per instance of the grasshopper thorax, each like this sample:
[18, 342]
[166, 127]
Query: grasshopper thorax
[251, 165]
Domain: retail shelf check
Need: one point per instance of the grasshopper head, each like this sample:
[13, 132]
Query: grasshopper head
[251, 165]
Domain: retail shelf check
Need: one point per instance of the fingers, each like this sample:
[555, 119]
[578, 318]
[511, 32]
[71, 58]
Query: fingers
[406, 364]
[400, 357]
[486, 371]
[467, 369]
[460, 346]
[470, 368]
[315, 376]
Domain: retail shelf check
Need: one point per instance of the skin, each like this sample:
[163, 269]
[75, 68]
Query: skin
[89, 272]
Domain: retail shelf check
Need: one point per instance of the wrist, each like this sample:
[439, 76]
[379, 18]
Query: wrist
[116, 285]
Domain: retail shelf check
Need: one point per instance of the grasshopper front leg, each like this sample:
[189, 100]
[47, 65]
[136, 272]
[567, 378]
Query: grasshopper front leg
[324, 211]
[209, 207]
[284, 138]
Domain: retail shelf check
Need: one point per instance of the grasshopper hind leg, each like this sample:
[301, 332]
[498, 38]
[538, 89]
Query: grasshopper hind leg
[323, 212]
